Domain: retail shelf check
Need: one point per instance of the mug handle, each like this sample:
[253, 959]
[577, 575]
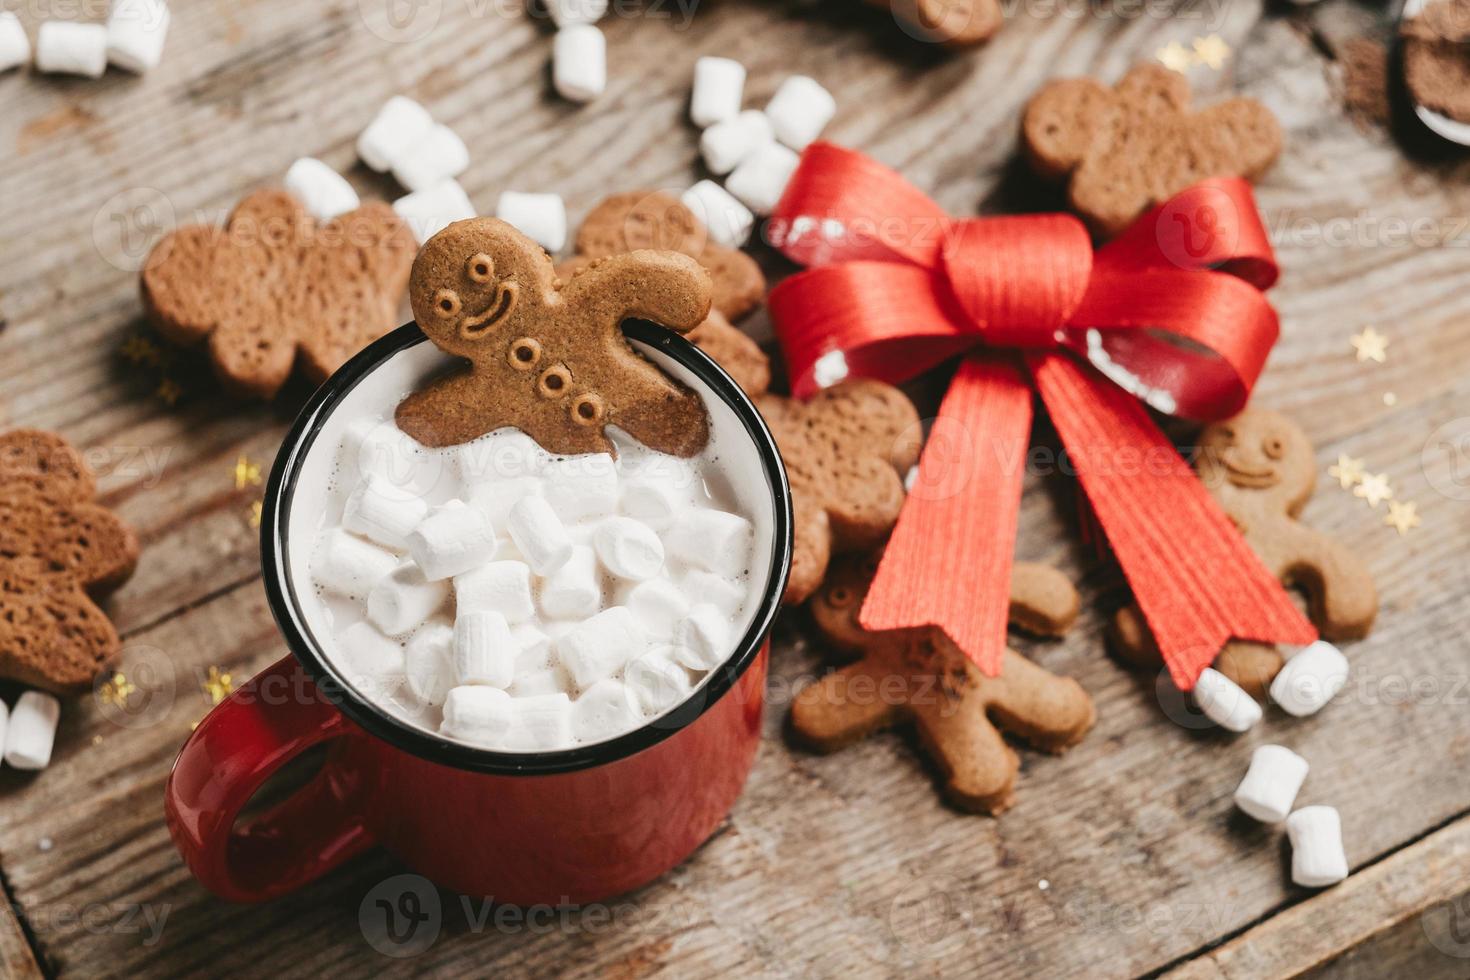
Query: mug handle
[238, 746]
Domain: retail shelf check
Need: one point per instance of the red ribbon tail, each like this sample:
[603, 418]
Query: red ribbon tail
[1196, 580]
[948, 564]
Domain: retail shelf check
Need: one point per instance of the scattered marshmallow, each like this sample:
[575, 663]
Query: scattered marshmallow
[372, 657]
[542, 723]
[69, 48]
[728, 221]
[452, 540]
[719, 85]
[484, 650]
[539, 534]
[573, 590]
[439, 156]
[727, 144]
[761, 178]
[658, 495]
[565, 12]
[702, 639]
[15, 47]
[601, 646]
[628, 548]
[403, 600]
[382, 512]
[800, 110]
[657, 681]
[348, 565]
[660, 606]
[540, 217]
[501, 586]
[604, 710]
[582, 486]
[399, 127]
[1317, 856]
[427, 662]
[325, 192]
[725, 594]
[713, 540]
[431, 210]
[478, 714]
[31, 733]
[136, 30]
[1310, 679]
[579, 62]
[1224, 702]
[1271, 783]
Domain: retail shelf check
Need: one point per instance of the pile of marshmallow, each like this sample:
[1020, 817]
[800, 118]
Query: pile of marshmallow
[132, 39]
[563, 601]
[28, 731]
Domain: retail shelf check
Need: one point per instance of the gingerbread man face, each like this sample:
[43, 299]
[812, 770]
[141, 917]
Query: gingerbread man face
[549, 358]
[1260, 457]
[56, 547]
[919, 677]
[274, 289]
[1132, 147]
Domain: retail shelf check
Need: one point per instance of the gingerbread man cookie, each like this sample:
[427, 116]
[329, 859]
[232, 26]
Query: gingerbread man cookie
[1261, 468]
[273, 288]
[1131, 147]
[546, 357]
[920, 677]
[57, 551]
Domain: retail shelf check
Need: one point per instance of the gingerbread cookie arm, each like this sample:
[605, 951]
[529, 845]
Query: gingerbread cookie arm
[846, 705]
[732, 349]
[1240, 136]
[46, 463]
[449, 412]
[813, 547]
[1343, 600]
[979, 768]
[52, 636]
[1052, 713]
[1043, 600]
[669, 288]
[178, 284]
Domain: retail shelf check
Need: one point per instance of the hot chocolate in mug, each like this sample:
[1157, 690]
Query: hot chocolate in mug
[575, 825]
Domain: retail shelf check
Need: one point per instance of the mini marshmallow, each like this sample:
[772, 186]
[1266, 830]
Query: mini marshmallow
[136, 30]
[579, 62]
[1224, 703]
[372, 658]
[601, 646]
[1271, 783]
[762, 176]
[656, 681]
[478, 714]
[573, 590]
[427, 662]
[452, 540]
[545, 680]
[382, 512]
[31, 733]
[484, 651]
[660, 606]
[539, 534]
[628, 548]
[380, 449]
[495, 500]
[1317, 857]
[713, 540]
[703, 638]
[604, 710]
[728, 221]
[533, 648]
[69, 48]
[726, 145]
[719, 85]
[15, 47]
[403, 600]
[398, 128]
[1311, 677]
[439, 156]
[800, 110]
[580, 487]
[348, 565]
[565, 12]
[501, 586]
[540, 217]
[431, 210]
[658, 495]
[724, 594]
[542, 723]
[325, 192]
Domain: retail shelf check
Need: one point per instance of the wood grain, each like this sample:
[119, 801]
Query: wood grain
[847, 864]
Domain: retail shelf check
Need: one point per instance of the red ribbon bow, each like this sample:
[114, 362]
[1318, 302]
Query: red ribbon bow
[901, 287]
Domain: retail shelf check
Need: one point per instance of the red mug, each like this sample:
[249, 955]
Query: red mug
[571, 826]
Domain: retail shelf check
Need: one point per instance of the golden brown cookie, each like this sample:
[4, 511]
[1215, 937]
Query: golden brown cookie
[920, 677]
[1437, 58]
[952, 23]
[546, 357]
[273, 288]
[57, 551]
[1128, 148]
[1261, 468]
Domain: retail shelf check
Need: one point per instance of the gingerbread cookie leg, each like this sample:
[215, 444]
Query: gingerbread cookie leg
[1251, 666]
[845, 707]
[1343, 599]
[979, 767]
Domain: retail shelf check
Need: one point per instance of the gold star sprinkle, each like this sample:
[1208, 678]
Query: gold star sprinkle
[1374, 488]
[1347, 472]
[168, 391]
[1402, 515]
[1370, 345]
[141, 350]
[1175, 57]
[255, 513]
[1212, 51]
[116, 690]
[247, 474]
[217, 685]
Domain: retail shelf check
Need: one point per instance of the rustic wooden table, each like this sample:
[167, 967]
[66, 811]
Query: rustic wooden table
[1122, 858]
